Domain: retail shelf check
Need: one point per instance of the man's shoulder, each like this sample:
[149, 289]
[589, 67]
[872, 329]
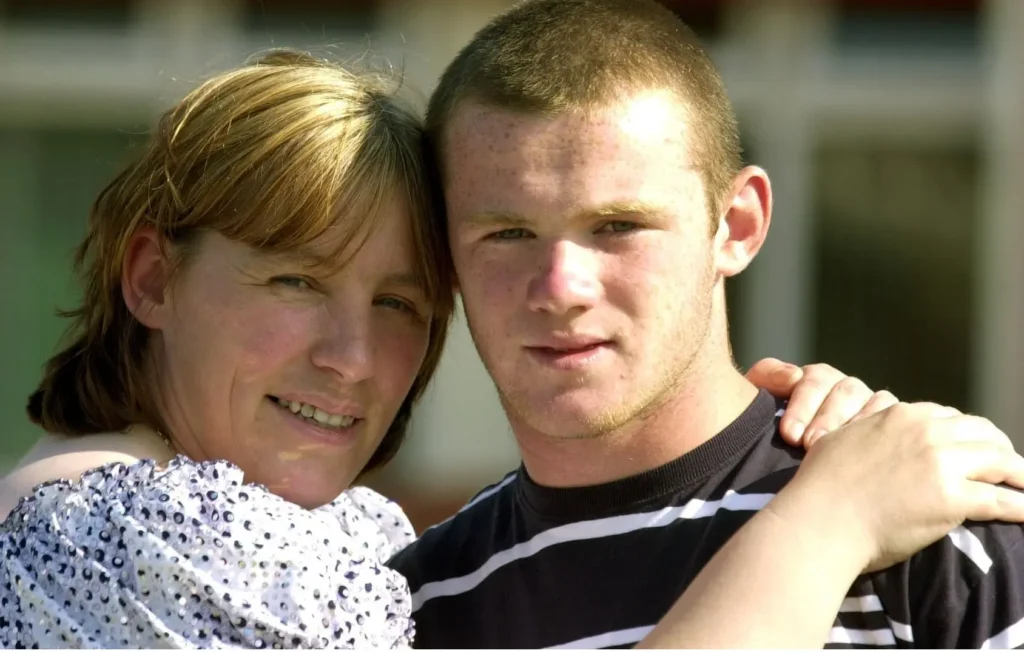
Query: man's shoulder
[449, 546]
[973, 554]
[989, 545]
[966, 590]
[769, 463]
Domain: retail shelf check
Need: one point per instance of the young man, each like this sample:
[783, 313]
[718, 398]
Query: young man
[596, 204]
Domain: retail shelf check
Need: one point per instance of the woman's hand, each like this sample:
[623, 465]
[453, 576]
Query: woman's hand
[900, 480]
[821, 398]
[868, 496]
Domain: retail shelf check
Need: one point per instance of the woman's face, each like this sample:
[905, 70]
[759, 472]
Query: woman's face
[292, 375]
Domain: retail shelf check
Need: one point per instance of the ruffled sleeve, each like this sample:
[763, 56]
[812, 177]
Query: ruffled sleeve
[136, 556]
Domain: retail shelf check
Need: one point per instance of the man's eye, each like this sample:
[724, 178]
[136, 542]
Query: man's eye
[297, 283]
[509, 234]
[618, 227]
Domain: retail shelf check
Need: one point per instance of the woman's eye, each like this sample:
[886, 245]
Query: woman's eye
[618, 227]
[297, 283]
[516, 233]
[396, 304]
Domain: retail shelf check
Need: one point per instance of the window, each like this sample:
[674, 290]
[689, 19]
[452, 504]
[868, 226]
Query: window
[316, 21]
[704, 17]
[903, 26]
[67, 14]
[894, 255]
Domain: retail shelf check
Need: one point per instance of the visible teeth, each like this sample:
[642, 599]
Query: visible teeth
[318, 415]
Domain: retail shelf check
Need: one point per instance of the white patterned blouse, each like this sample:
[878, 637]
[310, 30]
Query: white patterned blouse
[139, 556]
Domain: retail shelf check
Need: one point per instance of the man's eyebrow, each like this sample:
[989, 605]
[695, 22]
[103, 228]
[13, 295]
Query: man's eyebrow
[610, 210]
[497, 219]
[615, 209]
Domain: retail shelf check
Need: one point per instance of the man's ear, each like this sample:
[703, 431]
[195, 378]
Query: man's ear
[744, 221]
[144, 276]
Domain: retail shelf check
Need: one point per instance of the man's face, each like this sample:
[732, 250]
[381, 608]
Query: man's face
[584, 256]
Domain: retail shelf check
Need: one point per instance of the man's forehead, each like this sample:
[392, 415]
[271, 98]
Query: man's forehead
[646, 120]
[658, 104]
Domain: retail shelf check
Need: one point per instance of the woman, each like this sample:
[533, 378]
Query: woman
[263, 305]
[261, 287]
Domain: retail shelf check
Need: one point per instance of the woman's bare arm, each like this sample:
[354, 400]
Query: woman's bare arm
[56, 456]
[866, 497]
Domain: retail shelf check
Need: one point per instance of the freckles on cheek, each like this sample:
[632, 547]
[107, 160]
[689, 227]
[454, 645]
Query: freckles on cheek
[648, 279]
[492, 299]
[498, 276]
[270, 340]
[399, 359]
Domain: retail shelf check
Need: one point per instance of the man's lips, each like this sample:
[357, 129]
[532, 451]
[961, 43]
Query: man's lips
[564, 350]
[569, 344]
[569, 355]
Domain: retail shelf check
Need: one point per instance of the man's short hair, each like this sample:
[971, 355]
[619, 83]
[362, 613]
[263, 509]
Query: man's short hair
[550, 57]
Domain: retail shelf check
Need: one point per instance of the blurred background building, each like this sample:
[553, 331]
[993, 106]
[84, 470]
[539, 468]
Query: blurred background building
[893, 131]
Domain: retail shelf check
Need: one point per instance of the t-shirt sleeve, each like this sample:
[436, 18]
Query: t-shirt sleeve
[192, 556]
[965, 591]
[993, 615]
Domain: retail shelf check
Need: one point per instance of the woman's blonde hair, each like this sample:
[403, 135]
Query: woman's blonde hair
[272, 155]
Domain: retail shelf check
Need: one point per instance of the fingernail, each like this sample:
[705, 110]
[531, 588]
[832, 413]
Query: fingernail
[788, 374]
[798, 429]
[816, 433]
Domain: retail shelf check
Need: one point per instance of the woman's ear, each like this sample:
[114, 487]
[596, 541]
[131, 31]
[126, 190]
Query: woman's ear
[144, 276]
[744, 222]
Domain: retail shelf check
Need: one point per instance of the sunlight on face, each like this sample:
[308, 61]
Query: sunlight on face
[291, 373]
[583, 256]
[645, 118]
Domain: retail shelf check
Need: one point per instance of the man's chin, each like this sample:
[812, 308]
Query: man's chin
[573, 416]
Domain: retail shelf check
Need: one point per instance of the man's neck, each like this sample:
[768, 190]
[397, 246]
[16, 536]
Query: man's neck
[698, 410]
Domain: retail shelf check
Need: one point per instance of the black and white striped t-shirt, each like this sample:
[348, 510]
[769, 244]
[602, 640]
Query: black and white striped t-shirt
[525, 566]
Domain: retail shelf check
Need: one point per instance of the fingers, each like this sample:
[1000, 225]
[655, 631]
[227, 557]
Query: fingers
[833, 414]
[994, 503]
[775, 376]
[995, 467]
[848, 398]
[988, 468]
[809, 393]
[879, 401]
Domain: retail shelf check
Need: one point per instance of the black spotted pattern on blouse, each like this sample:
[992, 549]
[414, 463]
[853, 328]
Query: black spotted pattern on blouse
[188, 555]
